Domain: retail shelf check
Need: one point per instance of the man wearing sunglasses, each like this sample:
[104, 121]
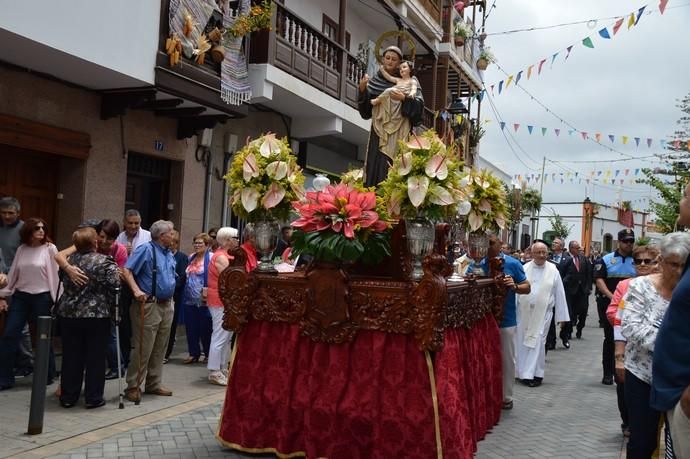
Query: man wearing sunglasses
[609, 270]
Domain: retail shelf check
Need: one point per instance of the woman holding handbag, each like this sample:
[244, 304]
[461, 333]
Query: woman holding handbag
[196, 314]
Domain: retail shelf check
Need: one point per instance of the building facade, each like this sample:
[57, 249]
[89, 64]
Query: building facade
[95, 120]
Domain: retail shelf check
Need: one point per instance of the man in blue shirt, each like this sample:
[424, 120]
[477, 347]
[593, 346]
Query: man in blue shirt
[515, 281]
[150, 273]
[671, 366]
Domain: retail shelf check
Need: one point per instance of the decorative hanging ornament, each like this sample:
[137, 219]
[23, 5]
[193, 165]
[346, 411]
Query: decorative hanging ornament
[320, 182]
[459, 6]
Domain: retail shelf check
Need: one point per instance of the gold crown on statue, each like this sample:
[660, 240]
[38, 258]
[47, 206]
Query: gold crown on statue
[385, 39]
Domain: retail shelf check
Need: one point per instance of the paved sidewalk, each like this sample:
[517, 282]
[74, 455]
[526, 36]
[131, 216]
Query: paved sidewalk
[62, 426]
[572, 415]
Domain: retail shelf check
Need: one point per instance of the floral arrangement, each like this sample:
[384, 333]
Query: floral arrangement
[258, 18]
[424, 180]
[487, 54]
[488, 199]
[354, 177]
[341, 223]
[264, 179]
[462, 29]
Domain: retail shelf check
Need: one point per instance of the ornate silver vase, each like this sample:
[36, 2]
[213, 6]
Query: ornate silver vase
[266, 240]
[420, 243]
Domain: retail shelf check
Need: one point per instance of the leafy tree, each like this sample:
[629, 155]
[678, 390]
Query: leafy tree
[670, 180]
[559, 227]
[531, 201]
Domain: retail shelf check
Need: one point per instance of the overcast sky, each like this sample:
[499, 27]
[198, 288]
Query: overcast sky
[628, 85]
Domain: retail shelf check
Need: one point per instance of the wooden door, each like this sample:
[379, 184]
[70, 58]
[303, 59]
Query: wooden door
[32, 178]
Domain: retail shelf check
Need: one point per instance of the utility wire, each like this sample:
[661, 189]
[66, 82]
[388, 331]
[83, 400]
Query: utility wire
[586, 21]
[493, 108]
[561, 119]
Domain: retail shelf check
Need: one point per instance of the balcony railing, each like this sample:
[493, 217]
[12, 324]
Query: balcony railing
[296, 47]
[467, 52]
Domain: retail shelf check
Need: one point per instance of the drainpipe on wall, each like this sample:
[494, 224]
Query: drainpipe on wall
[203, 155]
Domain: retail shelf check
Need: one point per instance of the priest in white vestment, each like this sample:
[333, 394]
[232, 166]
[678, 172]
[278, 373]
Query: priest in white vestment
[534, 313]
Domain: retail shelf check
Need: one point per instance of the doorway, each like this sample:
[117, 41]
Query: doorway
[148, 187]
[24, 175]
[608, 243]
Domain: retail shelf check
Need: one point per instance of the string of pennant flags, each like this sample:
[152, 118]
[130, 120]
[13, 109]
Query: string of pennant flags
[677, 144]
[607, 176]
[536, 69]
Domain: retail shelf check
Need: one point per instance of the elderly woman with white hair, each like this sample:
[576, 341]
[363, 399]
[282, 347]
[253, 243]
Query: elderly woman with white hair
[227, 239]
[645, 306]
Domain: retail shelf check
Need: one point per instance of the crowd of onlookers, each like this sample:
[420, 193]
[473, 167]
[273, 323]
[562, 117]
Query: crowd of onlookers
[134, 284]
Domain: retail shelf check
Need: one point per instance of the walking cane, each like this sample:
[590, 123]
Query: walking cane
[117, 345]
[141, 352]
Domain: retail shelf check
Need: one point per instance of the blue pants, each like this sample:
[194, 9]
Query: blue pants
[198, 326]
[25, 307]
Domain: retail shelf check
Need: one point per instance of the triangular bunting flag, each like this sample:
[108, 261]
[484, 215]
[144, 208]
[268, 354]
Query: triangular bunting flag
[597, 136]
[584, 135]
[625, 139]
[631, 20]
[637, 171]
[569, 48]
[529, 71]
[627, 171]
[543, 131]
[617, 25]
[502, 124]
[612, 138]
[604, 33]
[541, 63]
[617, 172]
[639, 14]
[588, 42]
[553, 58]
[662, 6]
[519, 75]
[500, 86]
[529, 128]
[637, 141]
[613, 181]
[516, 126]
[557, 131]
[510, 78]
[481, 94]
[492, 90]
[649, 143]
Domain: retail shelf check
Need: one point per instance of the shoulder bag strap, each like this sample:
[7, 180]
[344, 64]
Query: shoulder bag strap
[207, 259]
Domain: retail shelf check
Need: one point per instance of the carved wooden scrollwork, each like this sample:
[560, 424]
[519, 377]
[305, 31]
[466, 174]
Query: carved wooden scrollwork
[429, 301]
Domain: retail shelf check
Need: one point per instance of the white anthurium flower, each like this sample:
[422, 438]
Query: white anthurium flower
[500, 221]
[250, 168]
[464, 182]
[441, 196]
[464, 207]
[270, 146]
[250, 199]
[405, 164]
[485, 205]
[475, 220]
[437, 166]
[393, 204]
[273, 196]
[293, 172]
[277, 170]
[417, 187]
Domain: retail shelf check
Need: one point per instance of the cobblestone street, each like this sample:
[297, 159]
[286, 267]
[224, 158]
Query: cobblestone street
[572, 415]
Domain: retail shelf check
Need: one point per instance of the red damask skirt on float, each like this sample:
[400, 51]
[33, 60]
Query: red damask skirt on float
[377, 396]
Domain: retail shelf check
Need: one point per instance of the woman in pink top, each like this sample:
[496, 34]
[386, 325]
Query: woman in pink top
[220, 338]
[32, 283]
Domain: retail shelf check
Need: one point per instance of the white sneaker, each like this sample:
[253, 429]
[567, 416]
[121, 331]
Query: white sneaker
[218, 378]
[225, 372]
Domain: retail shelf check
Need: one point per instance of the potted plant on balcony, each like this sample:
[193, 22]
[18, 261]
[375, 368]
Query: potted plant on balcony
[462, 30]
[264, 179]
[486, 57]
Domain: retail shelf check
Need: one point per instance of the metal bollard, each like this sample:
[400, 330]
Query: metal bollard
[38, 388]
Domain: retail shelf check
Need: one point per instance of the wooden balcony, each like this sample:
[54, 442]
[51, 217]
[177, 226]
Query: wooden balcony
[299, 49]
